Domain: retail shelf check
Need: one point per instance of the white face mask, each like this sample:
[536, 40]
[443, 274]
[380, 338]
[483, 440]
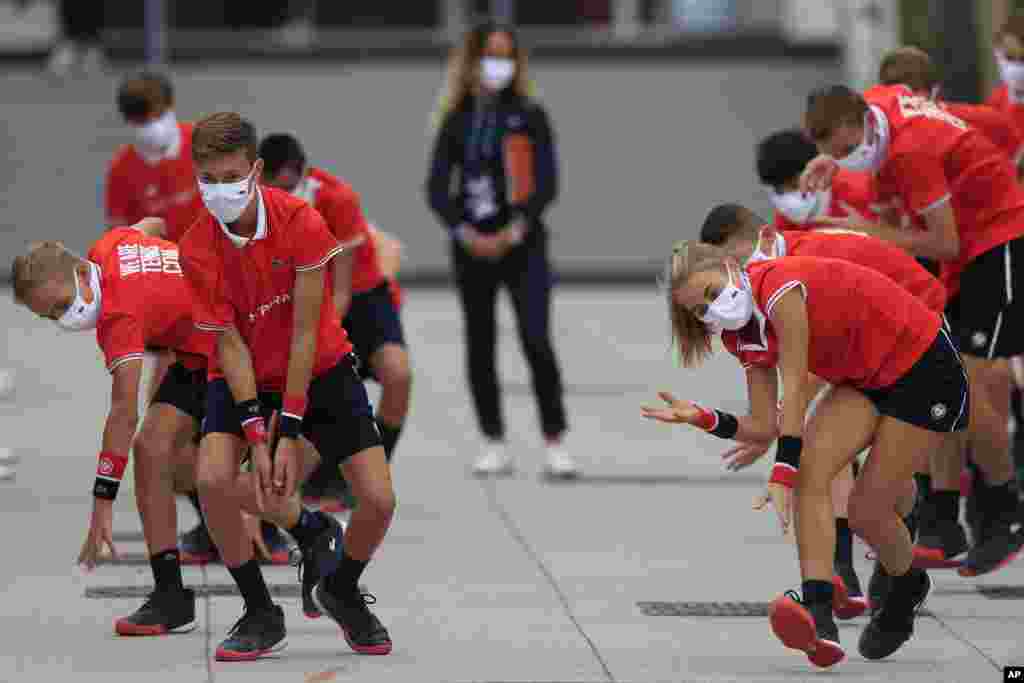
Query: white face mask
[1012, 74]
[801, 207]
[496, 72]
[80, 315]
[227, 201]
[154, 139]
[731, 309]
[869, 154]
[765, 253]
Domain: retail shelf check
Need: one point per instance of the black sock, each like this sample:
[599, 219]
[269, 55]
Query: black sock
[910, 521]
[194, 497]
[309, 526]
[389, 435]
[251, 585]
[907, 585]
[844, 542]
[1001, 499]
[924, 485]
[945, 505]
[817, 592]
[166, 566]
[345, 581]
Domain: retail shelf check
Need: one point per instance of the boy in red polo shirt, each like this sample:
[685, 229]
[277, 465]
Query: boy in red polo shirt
[362, 293]
[258, 262]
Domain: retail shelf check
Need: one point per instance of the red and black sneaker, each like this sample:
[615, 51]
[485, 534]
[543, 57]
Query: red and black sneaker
[809, 629]
[165, 611]
[362, 629]
[941, 544]
[196, 546]
[848, 601]
[258, 634]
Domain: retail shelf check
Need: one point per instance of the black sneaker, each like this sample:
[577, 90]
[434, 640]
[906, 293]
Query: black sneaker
[808, 628]
[1001, 543]
[196, 546]
[848, 601]
[893, 624]
[317, 559]
[362, 629]
[878, 587]
[165, 611]
[257, 634]
[939, 543]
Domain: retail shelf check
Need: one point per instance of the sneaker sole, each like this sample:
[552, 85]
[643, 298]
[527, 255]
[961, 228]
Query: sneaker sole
[794, 627]
[934, 558]
[967, 571]
[231, 656]
[844, 606]
[358, 649]
[128, 629]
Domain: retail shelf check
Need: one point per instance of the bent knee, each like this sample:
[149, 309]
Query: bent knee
[381, 503]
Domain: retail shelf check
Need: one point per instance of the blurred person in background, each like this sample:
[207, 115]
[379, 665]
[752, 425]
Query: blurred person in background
[500, 141]
[81, 44]
[153, 175]
[362, 293]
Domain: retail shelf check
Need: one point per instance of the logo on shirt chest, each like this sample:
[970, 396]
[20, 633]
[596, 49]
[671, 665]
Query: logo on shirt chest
[264, 309]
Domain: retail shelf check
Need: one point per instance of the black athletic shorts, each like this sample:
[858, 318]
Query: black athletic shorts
[371, 322]
[338, 422]
[184, 389]
[933, 394]
[987, 315]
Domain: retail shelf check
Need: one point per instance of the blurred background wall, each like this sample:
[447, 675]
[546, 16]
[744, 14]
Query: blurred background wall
[656, 103]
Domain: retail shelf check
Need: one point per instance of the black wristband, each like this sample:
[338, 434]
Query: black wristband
[727, 425]
[787, 451]
[289, 427]
[105, 488]
[250, 409]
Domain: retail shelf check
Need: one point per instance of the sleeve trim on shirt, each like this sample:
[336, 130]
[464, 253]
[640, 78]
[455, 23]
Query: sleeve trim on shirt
[210, 327]
[322, 262]
[121, 360]
[936, 204]
[354, 242]
[782, 290]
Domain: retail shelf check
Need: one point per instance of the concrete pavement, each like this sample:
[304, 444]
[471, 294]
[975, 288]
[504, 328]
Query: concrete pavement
[513, 580]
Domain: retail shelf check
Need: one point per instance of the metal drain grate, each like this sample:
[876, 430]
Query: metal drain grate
[704, 609]
[1002, 592]
[213, 590]
[710, 609]
[142, 560]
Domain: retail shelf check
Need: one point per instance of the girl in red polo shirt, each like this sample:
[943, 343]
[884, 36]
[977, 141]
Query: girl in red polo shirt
[898, 384]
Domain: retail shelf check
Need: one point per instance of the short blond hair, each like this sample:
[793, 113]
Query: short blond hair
[910, 66]
[691, 337]
[43, 262]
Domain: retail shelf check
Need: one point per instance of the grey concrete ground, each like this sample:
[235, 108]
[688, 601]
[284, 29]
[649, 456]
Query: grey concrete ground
[515, 580]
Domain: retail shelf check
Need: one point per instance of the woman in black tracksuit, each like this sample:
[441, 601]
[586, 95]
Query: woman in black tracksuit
[499, 141]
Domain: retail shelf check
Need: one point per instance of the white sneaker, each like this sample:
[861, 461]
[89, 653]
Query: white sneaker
[94, 61]
[62, 59]
[494, 460]
[560, 465]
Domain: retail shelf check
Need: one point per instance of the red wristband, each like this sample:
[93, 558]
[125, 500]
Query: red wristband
[706, 419]
[111, 465]
[783, 474]
[294, 406]
[255, 429]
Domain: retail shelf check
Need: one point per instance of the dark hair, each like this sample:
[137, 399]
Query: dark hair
[830, 107]
[280, 151]
[783, 155]
[143, 94]
[724, 221]
[1013, 26]
[223, 133]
